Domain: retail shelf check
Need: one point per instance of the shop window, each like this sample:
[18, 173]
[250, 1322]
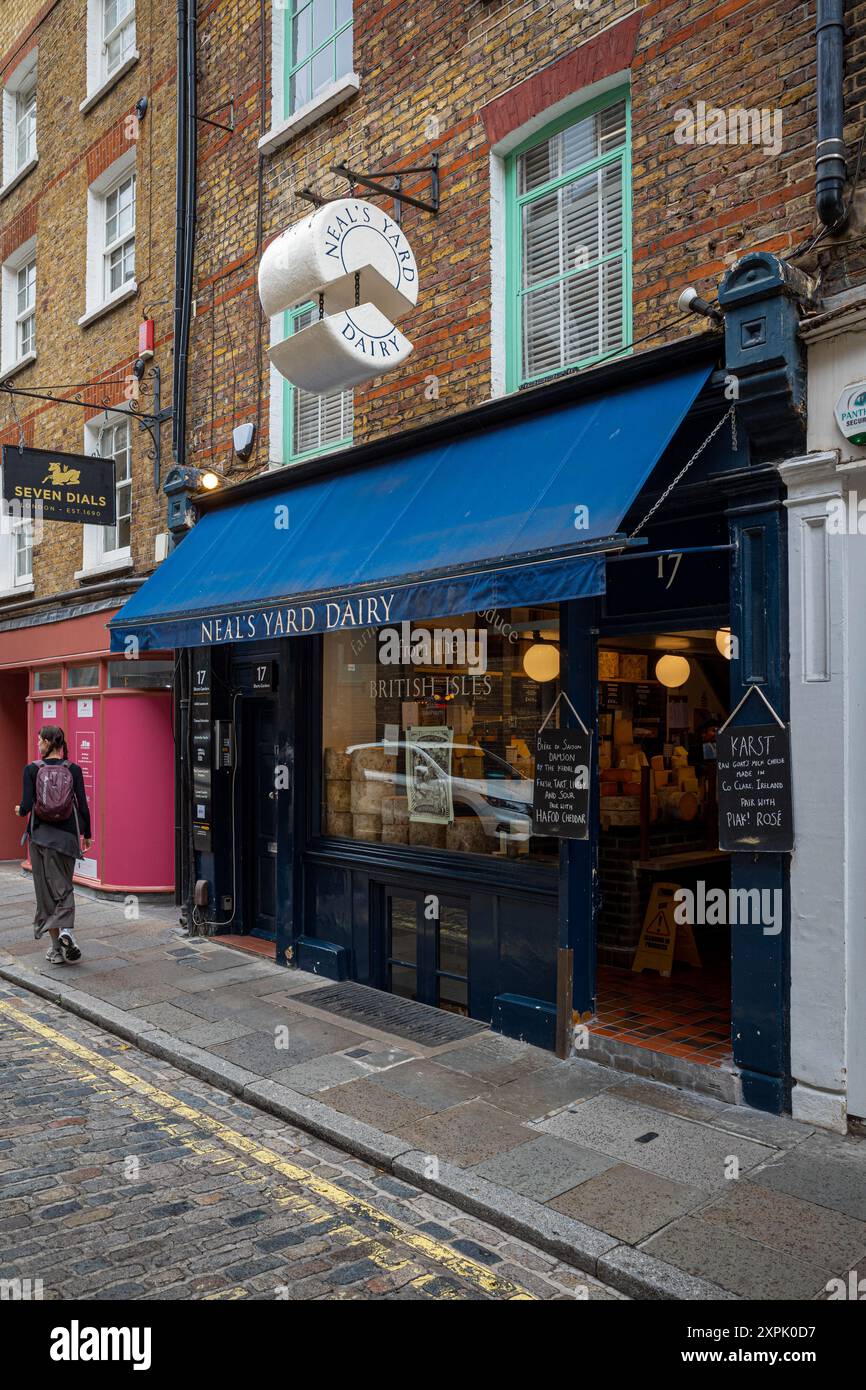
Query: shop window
[18, 308]
[82, 677]
[318, 48]
[107, 547]
[311, 424]
[48, 678]
[111, 212]
[429, 731]
[568, 243]
[140, 675]
[19, 120]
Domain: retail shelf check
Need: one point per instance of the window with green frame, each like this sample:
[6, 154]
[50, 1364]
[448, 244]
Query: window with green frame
[568, 242]
[313, 424]
[318, 48]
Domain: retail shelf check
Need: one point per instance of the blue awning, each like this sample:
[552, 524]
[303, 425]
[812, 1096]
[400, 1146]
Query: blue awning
[489, 519]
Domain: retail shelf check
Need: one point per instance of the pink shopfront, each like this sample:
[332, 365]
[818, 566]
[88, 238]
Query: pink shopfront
[117, 715]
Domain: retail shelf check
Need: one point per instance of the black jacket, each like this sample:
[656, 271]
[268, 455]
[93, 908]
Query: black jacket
[28, 800]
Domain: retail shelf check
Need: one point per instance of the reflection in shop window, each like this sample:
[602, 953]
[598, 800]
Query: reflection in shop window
[430, 731]
[80, 677]
[140, 675]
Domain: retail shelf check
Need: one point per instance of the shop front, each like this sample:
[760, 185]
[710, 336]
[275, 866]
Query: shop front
[370, 650]
[117, 715]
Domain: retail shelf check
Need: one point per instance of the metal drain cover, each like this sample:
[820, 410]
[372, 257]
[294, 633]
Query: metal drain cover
[390, 1014]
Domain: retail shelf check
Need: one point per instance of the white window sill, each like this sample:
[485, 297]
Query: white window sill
[21, 174]
[7, 373]
[327, 100]
[119, 297]
[99, 92]
[19, 591]
[122, 563]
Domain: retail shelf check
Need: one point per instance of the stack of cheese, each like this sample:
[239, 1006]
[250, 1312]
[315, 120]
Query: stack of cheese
[677, 787]
[338, 792]
[372, 780]
[395, 820]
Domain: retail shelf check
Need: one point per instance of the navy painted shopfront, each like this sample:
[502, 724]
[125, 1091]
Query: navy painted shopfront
[270, 865]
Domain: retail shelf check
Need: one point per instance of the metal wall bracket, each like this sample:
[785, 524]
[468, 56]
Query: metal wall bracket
[150, 421]
[231, 125]
[372, 181]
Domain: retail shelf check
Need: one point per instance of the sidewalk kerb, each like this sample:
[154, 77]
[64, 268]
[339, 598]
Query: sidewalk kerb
[592, 1251]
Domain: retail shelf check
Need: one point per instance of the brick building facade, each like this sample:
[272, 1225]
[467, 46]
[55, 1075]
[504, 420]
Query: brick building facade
[87, 203]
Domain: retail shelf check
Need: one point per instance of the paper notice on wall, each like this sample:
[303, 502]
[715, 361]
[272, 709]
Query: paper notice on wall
[392, 736]
[428, 774]
[678, 712]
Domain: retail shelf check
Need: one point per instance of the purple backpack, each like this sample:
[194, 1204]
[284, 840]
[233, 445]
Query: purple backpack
[55, 792]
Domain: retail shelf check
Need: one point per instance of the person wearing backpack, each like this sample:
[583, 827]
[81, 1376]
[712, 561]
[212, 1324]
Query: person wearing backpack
[58, 827]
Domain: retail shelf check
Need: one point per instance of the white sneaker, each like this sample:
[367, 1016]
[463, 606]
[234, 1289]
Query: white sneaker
[55, 956]
[69, 946]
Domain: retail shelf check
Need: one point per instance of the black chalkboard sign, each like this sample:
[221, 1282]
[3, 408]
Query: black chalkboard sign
[560, 803]
[754, 788]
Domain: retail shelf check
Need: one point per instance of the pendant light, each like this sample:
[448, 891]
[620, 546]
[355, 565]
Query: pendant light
[541, 662]
[672, 671]
[724, 642]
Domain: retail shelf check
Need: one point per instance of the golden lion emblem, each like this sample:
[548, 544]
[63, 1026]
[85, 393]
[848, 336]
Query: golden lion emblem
[61, 475]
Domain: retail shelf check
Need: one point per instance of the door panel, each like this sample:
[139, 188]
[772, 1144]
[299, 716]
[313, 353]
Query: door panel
[261, 741]
[426, 949]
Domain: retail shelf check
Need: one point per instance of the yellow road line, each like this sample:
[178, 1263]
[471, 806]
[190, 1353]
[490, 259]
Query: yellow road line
[458, 1265]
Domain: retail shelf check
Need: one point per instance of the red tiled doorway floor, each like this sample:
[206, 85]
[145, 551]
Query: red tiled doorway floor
[687, 1015]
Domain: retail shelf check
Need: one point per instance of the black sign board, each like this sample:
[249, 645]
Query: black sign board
[754, 788]
[264, 675]
[560, 803]
[69, 487]
[200, 719]
[611, 695]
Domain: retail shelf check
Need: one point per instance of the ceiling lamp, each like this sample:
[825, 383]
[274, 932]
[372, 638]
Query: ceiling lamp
[541, 662]
[724, 642]
[672, 671]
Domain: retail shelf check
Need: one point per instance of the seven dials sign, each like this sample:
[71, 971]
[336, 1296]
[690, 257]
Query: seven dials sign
[354, 263]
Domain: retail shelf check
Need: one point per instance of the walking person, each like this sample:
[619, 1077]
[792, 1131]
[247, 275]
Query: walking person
[58, 827]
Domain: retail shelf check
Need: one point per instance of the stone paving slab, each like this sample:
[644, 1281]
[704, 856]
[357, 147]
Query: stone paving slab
[742, 1265]
[652, 1139]
[429, 1084]
[544, 1168]
[788, 1224]
[467, 1134]
[629, 1203]
[549, 1088]
[829, 1177]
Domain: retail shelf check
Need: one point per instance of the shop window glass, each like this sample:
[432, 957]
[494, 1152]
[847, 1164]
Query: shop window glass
[49, 678]
[140, 675]
[81, 677]
[429, 731]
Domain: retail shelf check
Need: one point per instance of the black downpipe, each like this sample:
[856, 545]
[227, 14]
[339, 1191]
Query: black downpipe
[181, 292]
[830, 165]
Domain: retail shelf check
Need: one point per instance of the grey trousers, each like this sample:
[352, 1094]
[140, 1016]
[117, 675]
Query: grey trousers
[52, 880]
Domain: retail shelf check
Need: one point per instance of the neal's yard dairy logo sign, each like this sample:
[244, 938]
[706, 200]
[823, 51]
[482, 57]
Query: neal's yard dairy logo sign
[68, 487]
[851, 412]
[354, 263]
[370, 611]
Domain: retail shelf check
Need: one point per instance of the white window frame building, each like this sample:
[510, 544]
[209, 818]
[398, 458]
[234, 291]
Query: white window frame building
[101, 557]
[111, 51]
[19, 122]
[12, 315]
[293, 46]
[101, 246]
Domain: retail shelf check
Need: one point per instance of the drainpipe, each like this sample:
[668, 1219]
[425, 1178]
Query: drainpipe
[830, 166]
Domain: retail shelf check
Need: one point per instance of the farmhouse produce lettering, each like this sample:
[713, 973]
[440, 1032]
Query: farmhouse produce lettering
[754, 784]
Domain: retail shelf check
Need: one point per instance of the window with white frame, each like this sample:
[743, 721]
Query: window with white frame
[111, 42]
[111, 236]
[105, 546]
[311, 424]
[118, 32]
[16, 546]
[19, 119]
[18, 308]
[568, 244]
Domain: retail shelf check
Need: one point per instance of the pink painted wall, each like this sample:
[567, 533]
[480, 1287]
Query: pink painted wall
[137, 752]
[13, 756]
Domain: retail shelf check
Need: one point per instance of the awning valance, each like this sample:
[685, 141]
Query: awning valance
[521, 513]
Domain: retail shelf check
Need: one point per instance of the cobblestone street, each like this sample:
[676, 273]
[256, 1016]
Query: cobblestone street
[124, 1179]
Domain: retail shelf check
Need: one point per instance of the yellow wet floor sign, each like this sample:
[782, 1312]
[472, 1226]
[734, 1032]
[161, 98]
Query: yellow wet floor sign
[662, 941]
